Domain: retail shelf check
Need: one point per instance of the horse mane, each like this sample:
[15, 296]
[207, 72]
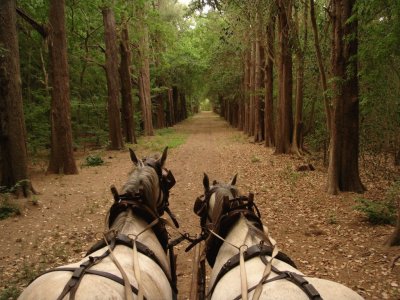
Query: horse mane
[145, 179]
[222, 190]
[141, 179]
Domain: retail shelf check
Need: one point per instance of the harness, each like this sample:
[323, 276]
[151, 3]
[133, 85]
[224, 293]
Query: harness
[231, 210]
[137, 203]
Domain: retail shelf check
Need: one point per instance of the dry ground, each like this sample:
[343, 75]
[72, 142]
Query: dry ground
[321, 233]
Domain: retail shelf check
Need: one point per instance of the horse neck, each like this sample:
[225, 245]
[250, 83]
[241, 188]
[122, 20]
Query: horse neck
[131, 224]
[237, 236]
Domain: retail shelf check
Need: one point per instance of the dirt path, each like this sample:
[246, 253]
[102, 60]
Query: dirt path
[321, 233]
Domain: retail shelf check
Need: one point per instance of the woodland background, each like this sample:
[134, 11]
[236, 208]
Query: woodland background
[315, 78]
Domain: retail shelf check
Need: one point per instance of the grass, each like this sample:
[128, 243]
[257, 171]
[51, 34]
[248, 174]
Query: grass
[162, 138]
[290, 176]
[377, 212]
[7, 209]
[239, 138]
[10, 292]
[384, 211]
[93, 160]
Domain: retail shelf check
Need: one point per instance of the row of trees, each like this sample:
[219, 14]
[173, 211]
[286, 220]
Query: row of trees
[95, 70]
[274, 60]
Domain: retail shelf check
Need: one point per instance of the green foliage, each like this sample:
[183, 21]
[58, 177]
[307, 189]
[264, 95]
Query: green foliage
[93, 160]
[377, 212]
[10, 292]
[7, 209]
[381, 212]
[163, 137]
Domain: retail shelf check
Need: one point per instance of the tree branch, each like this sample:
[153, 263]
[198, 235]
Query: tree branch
[42, 29]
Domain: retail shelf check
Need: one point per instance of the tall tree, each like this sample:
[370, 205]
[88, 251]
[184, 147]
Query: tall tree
[343, 173]
[13, 152]
[269, 131]
[258, 79]
[128, 123]
[284, 126]
[144, 72]
[299, 49]
[114, 119]
[328, 109]
[61, 154]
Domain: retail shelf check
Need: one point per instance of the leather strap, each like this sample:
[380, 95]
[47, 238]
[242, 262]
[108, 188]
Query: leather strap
[261, 251]
[295, 278]
[122, 239]
[102, 274]
[253, 251]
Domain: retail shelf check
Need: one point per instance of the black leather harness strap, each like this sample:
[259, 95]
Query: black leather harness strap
[295, 278]
[253, 251]
[102, 274]
[120, 239]
[261, 251]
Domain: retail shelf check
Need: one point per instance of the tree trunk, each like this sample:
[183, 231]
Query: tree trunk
[297, 138]
[257, 84]
[269, 87]
[247, 91]
[128, 122]
[328, 109]
[144, 75]
[13, 152]
[171, 115]
[343, 173]
[252, 87]
[114, 119]
[285, 117]
[394, 239]
[62, 154]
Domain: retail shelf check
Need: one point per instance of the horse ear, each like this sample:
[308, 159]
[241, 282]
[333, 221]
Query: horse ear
[206, 182]
[164, 156]
[233, 181]
[134, 159]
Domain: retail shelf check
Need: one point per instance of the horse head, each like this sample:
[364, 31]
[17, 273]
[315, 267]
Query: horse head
[146, 191]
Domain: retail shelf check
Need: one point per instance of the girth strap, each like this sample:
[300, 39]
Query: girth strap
[73, 283]
[120, 239]
[253, 251]
[261, 251]
[295, 278]
[102, 274]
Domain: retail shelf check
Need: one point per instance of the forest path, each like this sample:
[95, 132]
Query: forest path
[321, 233]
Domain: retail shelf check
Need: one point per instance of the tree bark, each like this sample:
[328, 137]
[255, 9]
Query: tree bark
[394, 239]
[61, 154]
[13, 152]
[113, 85]
[144, 75]
[128, 122]
[171, 110]
[343, 173]
[247, 91]
[257, 84]
[297, 137]
[269, 86]
[252, 86]
[328, 108]
[285, 116]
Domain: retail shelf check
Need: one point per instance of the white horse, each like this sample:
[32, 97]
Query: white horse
[135, 214]
[234, 218]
